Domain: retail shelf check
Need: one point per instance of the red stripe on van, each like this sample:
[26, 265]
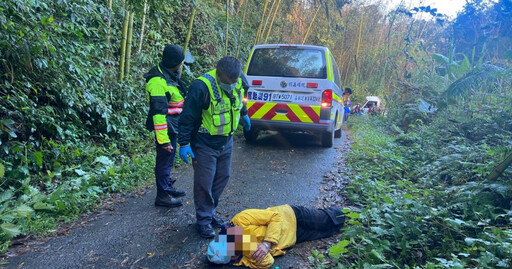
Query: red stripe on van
[311, 113]
[254, 108]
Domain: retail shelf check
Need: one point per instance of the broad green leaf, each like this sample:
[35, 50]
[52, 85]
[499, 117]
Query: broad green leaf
[379, 255]
[439, 58]
[6, 195]
[339, 248]
[353, 215]
[39, 157]
[7, 218]
[24, 210]
[43, 206]
[10, 229]
[2, 170]
[80, 172]
[103, 160]
[8, 121]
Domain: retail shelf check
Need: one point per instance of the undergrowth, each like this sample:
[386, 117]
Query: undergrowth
[424, 198]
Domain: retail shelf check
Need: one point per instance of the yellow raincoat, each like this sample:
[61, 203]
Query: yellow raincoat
[277, 225]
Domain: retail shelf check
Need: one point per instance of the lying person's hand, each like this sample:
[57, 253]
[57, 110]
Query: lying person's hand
[261, 251]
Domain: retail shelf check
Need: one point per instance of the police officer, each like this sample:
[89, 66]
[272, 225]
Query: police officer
[165, 91]
[213, 108]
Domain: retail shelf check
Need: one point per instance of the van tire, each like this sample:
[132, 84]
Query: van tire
[337, 133]
[251, 136]
[327, 139]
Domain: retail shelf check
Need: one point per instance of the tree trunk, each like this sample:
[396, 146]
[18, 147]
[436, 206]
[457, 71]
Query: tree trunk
[261, 22]
[129, 46]
[272, 21]
[311, 24]
[142, 26]
[123, 44]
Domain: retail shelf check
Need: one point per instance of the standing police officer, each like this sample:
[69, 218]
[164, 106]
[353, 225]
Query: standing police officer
[213, 108]
[165, 91]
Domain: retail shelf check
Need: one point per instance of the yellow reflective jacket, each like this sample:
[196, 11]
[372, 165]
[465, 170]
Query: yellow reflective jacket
[277, 225]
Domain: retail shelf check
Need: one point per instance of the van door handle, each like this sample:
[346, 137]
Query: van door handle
[281, 111]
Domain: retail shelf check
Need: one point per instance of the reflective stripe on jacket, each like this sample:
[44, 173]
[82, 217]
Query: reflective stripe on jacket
[165, 100]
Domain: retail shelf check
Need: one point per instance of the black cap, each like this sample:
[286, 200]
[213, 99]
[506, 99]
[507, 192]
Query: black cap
[173, 55]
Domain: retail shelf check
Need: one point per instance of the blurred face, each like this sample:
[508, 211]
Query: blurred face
[240, 243]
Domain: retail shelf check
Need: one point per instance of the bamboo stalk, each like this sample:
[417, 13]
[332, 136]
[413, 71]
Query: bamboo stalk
[272, 22]
[311, 24]
[241, 28]
[227, 27]
[123, 44]
[143, 25]
[268, 19]
[498, 170]
[109, 24]
[129, 46]
[190, 25]
[360, 32]
[256, 39]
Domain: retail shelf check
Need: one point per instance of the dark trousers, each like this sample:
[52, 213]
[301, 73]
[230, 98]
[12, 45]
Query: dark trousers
[163, 166]
[313, 223]
[212, 169]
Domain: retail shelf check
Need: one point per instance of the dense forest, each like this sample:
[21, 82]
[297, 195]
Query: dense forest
[430, 180]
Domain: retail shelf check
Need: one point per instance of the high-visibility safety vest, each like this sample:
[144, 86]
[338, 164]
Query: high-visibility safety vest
[169, 101]
[223, 114]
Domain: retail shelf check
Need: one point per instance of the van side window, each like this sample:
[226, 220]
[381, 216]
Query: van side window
[335, 70]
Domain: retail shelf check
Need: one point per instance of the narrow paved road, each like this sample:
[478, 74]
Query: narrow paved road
[135, 234]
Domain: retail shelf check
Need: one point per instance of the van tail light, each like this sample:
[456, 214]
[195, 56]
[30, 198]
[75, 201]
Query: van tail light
[245, 97]
[327, 98]
[312, 85]
[257, 82]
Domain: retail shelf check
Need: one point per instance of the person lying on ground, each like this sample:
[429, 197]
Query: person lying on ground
[255, 236]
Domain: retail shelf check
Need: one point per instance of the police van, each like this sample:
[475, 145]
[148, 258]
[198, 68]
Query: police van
[294, 88]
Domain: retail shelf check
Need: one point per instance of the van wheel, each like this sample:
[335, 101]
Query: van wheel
[337, 133]
[251, 135]
[327, 139]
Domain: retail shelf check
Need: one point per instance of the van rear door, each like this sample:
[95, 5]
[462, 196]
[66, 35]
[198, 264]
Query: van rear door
[286, 83]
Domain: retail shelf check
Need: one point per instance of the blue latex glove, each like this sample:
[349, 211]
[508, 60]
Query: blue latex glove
[184, 152]
[246, 122]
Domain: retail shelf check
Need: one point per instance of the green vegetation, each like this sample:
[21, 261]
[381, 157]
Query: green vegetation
[421, 188]
[71, 118]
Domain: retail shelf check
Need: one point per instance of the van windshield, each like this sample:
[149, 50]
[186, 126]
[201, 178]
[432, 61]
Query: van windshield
[288, 62]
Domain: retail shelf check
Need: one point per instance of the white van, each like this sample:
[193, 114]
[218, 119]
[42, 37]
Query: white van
[372, 103]
[294, 88]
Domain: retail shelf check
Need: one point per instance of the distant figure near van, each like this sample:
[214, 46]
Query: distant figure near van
[346, 103]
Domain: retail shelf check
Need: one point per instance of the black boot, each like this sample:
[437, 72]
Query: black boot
[176, 193]
[163, 199]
